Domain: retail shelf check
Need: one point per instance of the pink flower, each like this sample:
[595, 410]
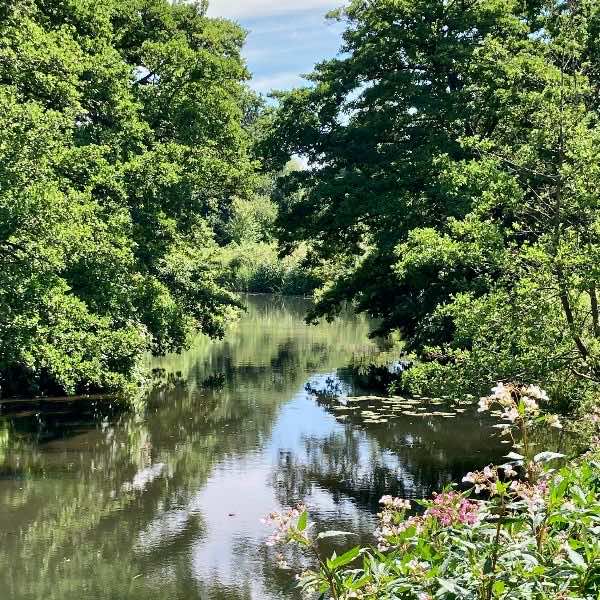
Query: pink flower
[451, 508]
[512, 414]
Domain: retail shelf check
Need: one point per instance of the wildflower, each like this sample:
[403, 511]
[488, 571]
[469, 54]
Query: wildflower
[530, 405]
[469, 478]
[397, 503]
[482, 480]
[554, 421]
[533, 495]
[502, 393]
[508, 470]
[284, 524]
[536, 392]
[387, 530]
[451, 508]
[418, 567]
[511, 414]
[484, 405]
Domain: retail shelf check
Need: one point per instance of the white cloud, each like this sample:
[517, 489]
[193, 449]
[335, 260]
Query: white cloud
[243, 9]
[277, 81]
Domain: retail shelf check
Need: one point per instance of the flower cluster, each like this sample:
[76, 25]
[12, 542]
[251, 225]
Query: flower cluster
[284, 524]
[393, 522]
[395, 503]
[517, 404]
[452, 508]
[534, 495]
[482, 480]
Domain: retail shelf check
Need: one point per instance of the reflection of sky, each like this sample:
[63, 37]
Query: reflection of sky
[284, 42]
[240, 492]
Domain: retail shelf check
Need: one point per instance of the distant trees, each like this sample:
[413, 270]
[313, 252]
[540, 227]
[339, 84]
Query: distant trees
[123, 141]
[453, 184]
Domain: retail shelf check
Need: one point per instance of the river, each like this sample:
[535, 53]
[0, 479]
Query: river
[96, 504]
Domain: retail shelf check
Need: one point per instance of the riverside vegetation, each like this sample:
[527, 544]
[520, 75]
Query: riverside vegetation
[450, 193]
[130, 201]
[526, 529]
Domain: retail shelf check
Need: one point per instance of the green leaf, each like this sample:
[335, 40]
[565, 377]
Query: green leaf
[344, 559]
[547, 456]
[499, 587]
[449, 586]
[576, 558]
[303, 521]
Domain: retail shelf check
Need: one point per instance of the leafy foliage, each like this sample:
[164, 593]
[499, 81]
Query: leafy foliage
[123, 142]
[451, 194]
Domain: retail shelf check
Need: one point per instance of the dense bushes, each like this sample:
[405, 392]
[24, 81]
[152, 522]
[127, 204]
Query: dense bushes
[257, 267]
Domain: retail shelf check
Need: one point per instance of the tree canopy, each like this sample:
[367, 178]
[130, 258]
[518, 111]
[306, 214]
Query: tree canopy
[453, 184]
[123, 143]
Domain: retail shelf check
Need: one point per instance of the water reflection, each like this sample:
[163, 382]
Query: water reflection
[95, 505]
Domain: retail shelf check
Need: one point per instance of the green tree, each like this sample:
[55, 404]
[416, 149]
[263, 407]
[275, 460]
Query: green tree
[123, 141]
[452, 191]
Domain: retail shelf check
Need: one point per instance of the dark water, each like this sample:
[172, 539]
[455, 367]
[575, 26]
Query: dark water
[95, 505]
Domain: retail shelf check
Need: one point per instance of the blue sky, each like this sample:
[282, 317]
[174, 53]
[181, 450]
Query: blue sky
[286, 37]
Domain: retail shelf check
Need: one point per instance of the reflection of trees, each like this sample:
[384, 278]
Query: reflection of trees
[408, 457]
[105, 508]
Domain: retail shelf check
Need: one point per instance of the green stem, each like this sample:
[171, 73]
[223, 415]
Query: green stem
[495, 551]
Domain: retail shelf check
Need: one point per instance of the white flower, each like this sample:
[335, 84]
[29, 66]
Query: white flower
[501, 393]
[537, 392]
[484, 405]
[469, 478]
[530, 404]
[508, 470]
[554, 421]
[512, 414]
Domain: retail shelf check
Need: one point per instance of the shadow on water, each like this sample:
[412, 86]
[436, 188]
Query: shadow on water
[98, 504]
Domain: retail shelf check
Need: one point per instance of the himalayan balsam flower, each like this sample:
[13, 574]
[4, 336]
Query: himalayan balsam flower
[530, 404]
[483, 480]
[511, 414]
[554, 421]
[451, 508]
[537, 392]
[508, 470]
[502, 393]
[533, 495]
[283, 524]
[484, 404]
[397, 503]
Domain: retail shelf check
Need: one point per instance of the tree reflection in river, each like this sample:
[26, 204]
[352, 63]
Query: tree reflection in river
[100, 506]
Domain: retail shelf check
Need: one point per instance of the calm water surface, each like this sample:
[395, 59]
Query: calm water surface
[96, 505]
